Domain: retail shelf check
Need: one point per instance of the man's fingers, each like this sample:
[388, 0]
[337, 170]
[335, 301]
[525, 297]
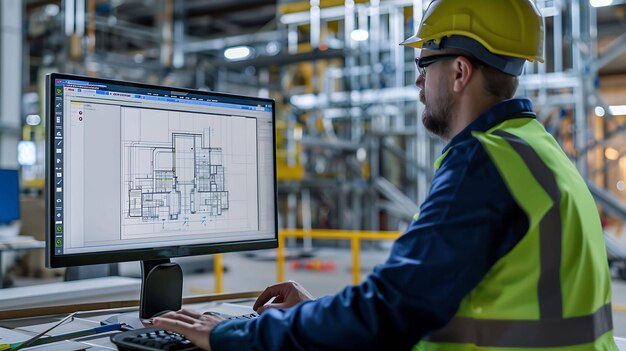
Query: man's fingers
[267, 294]
[180, 317]
[190, 313]
[212, 316]
[192, 325]
[271, 305]
[174, 325]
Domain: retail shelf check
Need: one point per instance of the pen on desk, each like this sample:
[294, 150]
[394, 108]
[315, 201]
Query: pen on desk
[67, 336]
[69, 317]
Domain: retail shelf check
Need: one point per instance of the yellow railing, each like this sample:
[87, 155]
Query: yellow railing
[217, 266]
[218, 277]
[355, 238]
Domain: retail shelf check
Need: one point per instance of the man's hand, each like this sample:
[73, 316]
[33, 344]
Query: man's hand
[194, 326]
[286, 294]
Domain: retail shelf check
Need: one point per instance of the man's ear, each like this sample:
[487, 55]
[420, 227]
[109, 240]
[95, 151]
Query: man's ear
[464, 70]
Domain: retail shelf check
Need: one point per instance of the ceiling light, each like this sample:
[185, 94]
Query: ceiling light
[611, 154]
[618, 110]
[600, 3]
[237, 53]
[599, 111]
[359, 35]
[26, 153]
[272, 48]
[33, 120]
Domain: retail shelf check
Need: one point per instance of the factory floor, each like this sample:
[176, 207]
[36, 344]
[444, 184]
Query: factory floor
[243, 273]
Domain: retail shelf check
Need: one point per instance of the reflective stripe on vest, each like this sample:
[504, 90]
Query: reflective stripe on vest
[524, 333]
[550, 231]
[551, 329]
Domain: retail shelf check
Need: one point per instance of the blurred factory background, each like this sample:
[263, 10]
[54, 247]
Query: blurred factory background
[352, 153]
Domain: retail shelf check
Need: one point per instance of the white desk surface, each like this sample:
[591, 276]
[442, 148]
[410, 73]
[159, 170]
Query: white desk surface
[90, 319]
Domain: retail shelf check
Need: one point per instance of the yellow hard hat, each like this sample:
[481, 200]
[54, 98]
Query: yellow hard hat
[502, 30]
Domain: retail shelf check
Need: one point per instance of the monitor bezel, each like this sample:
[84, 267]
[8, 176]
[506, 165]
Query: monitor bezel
[68, 260]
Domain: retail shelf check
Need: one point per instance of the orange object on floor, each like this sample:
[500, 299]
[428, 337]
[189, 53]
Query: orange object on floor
[313, 265]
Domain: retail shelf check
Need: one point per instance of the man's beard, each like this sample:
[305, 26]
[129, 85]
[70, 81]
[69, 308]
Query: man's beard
[438, 114]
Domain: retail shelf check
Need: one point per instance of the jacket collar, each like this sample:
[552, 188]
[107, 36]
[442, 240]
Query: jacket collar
[496, 114]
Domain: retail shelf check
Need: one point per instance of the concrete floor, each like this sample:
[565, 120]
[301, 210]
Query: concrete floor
[247, 274]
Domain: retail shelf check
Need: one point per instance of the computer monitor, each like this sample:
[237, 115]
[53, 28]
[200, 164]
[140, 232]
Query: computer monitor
[9, 196]
[145, 172]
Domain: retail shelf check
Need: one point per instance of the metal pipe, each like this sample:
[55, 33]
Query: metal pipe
[91, 27]
[178, 55]
[70, 11]
[167, 33]
[307, 242]
[315, 24]
[557, 27]
[374, 43]
[80, 17]
[292, 39]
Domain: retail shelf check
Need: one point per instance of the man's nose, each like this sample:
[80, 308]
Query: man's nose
[419, 82]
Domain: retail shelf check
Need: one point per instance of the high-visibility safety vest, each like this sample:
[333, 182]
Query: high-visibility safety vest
[552, 290]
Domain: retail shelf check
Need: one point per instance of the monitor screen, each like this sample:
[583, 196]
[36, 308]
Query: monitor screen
[141, 172]
[9, 196]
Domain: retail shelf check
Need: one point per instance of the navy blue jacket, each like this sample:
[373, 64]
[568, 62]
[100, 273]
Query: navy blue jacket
[468, 221]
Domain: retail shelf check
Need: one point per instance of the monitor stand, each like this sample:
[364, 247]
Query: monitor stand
[161, 290]
[161, 287]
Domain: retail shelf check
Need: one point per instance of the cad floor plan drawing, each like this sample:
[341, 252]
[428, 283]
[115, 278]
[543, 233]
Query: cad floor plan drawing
[187, 177]
[179, 171]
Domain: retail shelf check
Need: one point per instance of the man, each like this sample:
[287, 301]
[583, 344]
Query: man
[507, 252]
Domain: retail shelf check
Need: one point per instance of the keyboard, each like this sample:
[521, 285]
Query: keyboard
[152, 339]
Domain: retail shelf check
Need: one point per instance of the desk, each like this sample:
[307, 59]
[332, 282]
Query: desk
[96, 312]
[18, 243]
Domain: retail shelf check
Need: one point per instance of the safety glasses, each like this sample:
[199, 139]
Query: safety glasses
[423, 62]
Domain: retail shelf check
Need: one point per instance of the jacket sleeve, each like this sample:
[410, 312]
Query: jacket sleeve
[467, 223]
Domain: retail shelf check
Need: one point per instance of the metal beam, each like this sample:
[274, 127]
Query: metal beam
[221, 43]
[390, 191]
[363, 97]
[11, 82]
[612, 51]
[609, 202]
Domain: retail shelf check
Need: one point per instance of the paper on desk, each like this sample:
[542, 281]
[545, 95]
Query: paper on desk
[59, 346]
[75, 325]
[8, 336]
[230, 309]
